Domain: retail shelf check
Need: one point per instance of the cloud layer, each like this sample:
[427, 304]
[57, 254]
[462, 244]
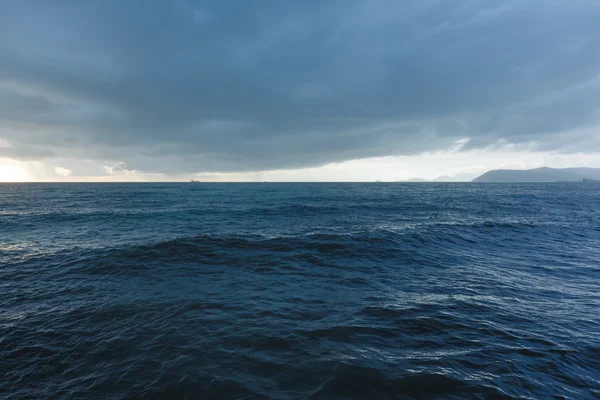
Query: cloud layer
[204, 86]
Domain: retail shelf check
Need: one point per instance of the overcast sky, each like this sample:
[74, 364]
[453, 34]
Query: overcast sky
[296, 90]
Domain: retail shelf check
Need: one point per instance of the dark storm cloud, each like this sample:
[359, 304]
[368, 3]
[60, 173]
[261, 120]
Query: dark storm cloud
[229, 85]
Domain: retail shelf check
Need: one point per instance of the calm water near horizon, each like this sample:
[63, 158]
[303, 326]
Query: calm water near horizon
[305, 290]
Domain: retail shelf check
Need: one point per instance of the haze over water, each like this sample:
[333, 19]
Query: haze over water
[294, 291]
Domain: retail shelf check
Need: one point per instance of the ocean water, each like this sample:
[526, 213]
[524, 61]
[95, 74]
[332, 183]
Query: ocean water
[292, 291]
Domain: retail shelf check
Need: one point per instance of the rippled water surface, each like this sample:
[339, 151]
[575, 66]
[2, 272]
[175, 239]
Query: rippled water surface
[293, 291]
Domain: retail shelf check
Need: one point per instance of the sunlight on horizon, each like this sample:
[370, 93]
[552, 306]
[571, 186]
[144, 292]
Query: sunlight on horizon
[11, 173]
[463, 165]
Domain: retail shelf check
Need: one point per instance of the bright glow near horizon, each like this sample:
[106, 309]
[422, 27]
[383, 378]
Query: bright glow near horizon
[12, 173]
[467, 165]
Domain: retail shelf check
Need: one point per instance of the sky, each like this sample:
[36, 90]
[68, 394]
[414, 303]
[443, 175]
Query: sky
[310, 90]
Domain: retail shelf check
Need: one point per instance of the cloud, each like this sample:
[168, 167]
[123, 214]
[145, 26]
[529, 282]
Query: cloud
[119, 169]
[64, 172]
[217, 86]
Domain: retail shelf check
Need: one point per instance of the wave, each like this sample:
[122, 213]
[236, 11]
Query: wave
[350, 382]
[431, 243]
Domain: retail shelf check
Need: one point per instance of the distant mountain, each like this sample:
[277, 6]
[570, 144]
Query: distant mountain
[543, 174]
[462, 177]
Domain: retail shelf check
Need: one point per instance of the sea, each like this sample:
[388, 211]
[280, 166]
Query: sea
[300, 291]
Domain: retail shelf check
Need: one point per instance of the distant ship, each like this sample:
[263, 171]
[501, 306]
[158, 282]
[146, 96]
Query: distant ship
[588, 180]
[193, 181]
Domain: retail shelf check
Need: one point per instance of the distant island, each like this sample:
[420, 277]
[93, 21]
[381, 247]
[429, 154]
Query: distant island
[543, 174]
[462, 177]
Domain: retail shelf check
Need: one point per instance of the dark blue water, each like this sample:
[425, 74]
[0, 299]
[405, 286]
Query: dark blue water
[292, 291]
